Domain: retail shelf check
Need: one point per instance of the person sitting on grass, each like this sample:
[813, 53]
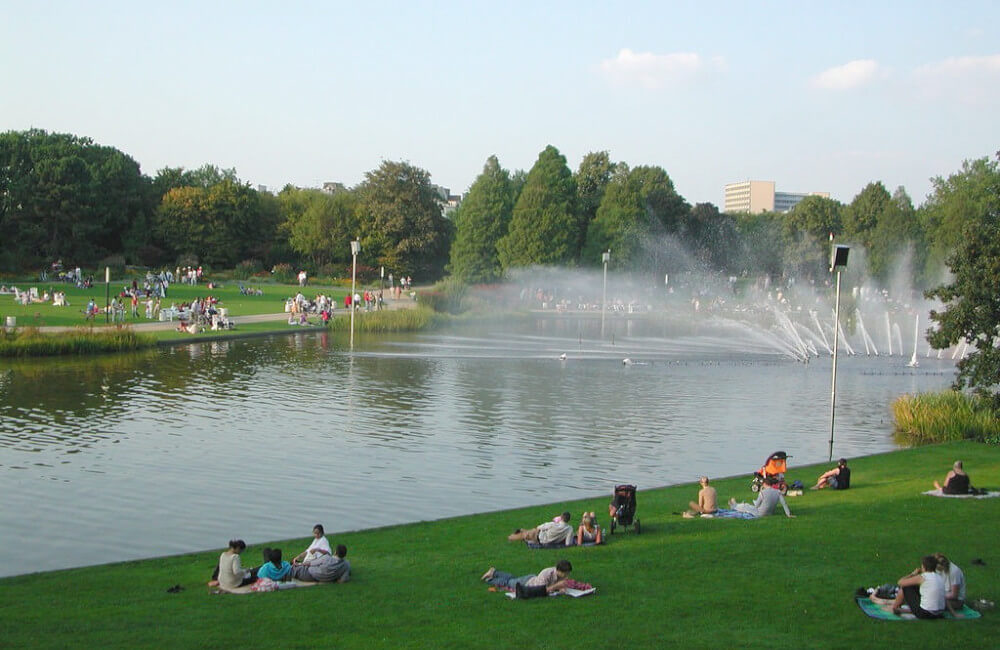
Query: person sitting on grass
[230, 574]
[956, 482]
[588, 531]
[553, 578]
[707, 500]
[838, 478]
[922, 590]
[954, 583]
[325, 568]
[274, 568]
[319, 546]
[551, 532]
[766, 502]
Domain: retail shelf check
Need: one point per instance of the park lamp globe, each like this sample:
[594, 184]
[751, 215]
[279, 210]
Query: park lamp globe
[355, 249]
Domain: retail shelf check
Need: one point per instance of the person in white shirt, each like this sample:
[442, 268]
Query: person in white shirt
[954, 583]
[319, 546]
[557, 531]
[922, 590]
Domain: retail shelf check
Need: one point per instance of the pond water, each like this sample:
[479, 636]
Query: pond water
[184, 448]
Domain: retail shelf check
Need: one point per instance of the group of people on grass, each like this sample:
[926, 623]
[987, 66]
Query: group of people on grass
[318, 563]
[937, 585]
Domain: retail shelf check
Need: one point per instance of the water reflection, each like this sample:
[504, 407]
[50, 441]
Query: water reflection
[298, 430]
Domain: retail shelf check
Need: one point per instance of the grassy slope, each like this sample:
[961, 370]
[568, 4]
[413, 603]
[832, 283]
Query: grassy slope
[46, 315]
[777, 582]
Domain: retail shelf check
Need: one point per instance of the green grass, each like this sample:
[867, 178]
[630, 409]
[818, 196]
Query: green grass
[944, 416]
[774, 583]
[44, 314]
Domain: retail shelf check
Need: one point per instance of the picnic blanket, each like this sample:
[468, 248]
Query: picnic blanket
[726, 513]
[884, 612]
[571, 542]
[249, 589]
[990, 494]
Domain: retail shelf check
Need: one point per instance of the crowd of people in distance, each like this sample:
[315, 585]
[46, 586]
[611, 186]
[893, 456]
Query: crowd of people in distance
[318, 563]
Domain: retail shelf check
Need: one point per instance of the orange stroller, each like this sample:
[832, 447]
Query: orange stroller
[774, 467]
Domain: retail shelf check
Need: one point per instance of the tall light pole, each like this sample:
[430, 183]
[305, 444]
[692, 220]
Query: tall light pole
[838, 261]
[355, 249]
[605, 257]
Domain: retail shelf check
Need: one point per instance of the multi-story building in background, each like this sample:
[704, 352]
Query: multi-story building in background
[759, 196]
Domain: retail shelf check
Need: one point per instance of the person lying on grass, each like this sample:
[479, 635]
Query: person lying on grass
[553, 578]
[588, 531]
[767, 500]
[551, 532]
[922, 590]
[325, 568]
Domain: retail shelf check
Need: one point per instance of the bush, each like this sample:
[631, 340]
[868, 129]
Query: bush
[115, 262]
[944, 417]
[283, 273]
[187, 259]
[446, 296]
[247, 269]
[29, 342]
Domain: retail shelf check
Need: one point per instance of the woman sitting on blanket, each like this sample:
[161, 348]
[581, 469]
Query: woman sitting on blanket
[956, 482]
[274, 568]
[230, 574]
[588, 531]
[319, 546]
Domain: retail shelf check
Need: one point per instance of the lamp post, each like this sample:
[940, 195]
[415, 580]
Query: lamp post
[355, 249]
[605, 257]
[838, 261]
[107, 293]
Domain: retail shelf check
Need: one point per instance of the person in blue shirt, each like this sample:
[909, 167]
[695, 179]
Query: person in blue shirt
[274, 568]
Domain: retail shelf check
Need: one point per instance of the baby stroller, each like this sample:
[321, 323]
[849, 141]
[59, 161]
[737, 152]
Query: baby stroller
[623, 509]
[774, 467]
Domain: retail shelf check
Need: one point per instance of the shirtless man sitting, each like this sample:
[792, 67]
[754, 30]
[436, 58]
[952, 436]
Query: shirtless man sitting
[551, 532]
[706, 504]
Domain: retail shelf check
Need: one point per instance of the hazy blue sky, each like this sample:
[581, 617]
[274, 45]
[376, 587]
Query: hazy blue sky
[813, 96]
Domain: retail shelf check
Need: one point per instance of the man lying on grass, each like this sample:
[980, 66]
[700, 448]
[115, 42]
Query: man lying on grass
[557, 531]
[552, 579]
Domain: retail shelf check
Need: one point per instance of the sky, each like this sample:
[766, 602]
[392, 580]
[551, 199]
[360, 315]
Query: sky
[814, 96]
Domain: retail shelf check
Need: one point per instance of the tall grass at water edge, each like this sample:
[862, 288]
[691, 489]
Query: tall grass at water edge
[946, 416]
[380, 322]
[30, 342]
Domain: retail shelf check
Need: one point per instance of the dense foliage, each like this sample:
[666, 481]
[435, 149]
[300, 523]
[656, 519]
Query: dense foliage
[972, 297]
[65, 197]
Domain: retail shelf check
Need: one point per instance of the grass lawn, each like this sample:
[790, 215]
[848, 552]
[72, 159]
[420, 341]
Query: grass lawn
[44, 314]
[771, 583]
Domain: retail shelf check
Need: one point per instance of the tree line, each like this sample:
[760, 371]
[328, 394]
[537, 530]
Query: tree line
[63, 196]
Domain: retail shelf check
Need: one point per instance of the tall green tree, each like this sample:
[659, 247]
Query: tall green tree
[862, 214]
[318, 223]
[947, 209]
[713, 237]
[806, 234]
[761, 243]
[972, 304]
[543, 227]
[897, 234]
[592, 178]
[401, 221]
[480, 222]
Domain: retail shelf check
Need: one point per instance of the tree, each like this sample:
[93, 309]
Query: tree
[713, 237]
[897, 233]
[480, 222]
[761, 243]
[401, 221]
[318, 223]
[972, 305]
[968, 192]
[862, 215]
[543, 227]
[806, 233]
[592, 178]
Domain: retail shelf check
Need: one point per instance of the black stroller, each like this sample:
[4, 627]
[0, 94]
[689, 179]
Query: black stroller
[623, 509]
